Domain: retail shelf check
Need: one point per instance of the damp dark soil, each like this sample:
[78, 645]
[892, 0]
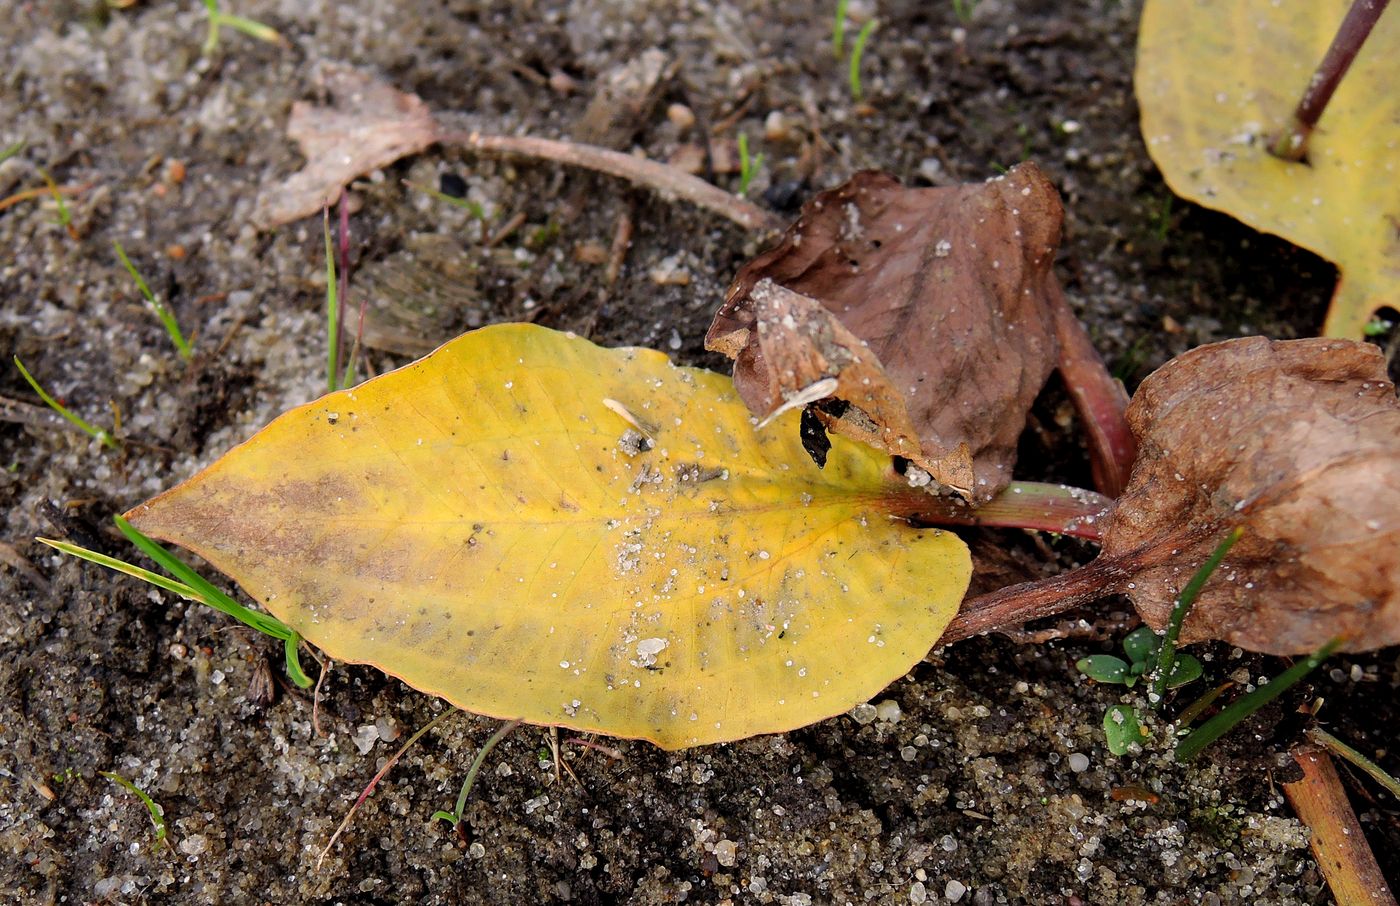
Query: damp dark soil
[981, 777]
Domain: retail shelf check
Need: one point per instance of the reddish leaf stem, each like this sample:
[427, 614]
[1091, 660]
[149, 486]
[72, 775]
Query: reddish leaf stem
[1099, 398]
[1351, 34]
[1024, 504]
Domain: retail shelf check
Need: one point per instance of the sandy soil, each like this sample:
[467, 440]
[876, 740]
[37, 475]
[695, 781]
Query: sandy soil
[969, 795]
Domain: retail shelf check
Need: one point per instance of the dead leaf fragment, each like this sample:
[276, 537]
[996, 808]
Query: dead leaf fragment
[368, 125]
[936, 299]
[1299, 441]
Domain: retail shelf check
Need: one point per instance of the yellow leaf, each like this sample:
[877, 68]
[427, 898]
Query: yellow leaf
[1218, 82]
[489, 525]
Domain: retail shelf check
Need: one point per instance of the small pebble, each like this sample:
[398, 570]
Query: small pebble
[681, 116]
[954, 891]
[888, 710]
[863, 714]
[726, 853]
[1078, 762]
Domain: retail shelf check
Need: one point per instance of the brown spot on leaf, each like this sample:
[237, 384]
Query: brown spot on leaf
[1299, 441]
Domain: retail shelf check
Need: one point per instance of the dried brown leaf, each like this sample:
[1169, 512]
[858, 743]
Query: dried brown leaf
[1299, 441]
[936, 299]
[368, 125]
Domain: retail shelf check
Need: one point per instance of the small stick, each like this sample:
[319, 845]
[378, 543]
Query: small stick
[665, 180]
[1338, 843]
[510, 226]
[1351, 34]
[378, 777]
[621, 242]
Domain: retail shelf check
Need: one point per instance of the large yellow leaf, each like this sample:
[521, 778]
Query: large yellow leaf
[1217, 81]
[486, 525]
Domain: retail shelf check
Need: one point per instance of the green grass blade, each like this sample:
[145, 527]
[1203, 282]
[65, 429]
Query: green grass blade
[121, 566]
[838, 29]
[1377, 773]
[1166, 655]
[332, 311]
[90, 430]
[167, 318]
[11, 151]
[501, 733]
[155, 811]
[857, 53]
[1208, 732]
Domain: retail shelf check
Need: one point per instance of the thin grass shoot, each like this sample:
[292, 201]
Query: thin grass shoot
[838, 29]
[749, 165]
[103, 437]
[1229, 717]
[455, 817]
[332, 311]
[65, 219]
[253, 29]
[167, 317]
[857, 54]
[155, 811]
[1166, 654]
[1342, 750]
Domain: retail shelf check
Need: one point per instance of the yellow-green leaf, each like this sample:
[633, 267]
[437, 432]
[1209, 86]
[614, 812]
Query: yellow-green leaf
[1218, 82]
[487, 525]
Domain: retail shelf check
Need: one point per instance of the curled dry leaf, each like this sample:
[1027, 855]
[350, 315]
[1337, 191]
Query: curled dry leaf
[1299, 441]
[368, 125]
[924, 311]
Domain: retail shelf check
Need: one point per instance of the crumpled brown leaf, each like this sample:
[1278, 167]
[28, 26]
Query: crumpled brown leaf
[1299, 441]
[924, 310]
[368, 125]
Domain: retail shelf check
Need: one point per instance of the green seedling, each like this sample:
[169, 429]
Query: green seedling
[1192, 744]
[103, 437]
[963, 10]
[167, 318]
[11, 151]
[65, 219]
[218, 18]
[155, 811]
[333, 382]
[857, 53]
[454, 817]
[192, 586]
[838, 29]
[1152, 658]
[748, 165]
[475, 210]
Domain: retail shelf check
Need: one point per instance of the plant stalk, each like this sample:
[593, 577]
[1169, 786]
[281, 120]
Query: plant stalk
[1351, 34]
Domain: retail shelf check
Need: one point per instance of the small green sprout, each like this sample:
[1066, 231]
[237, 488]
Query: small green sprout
[218, 18]
[1140, 645]
[1121, 728]
[191, 585]
[65, 219]
[332, 311]
[155, 811]
[167, 318]
[963, 9]
[1377, 327]
[838, 29]
[454, 817]
[857, 53]
[1152, 658]
[471, 207]
[103, 437]
[748, 165]
[11, 151]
